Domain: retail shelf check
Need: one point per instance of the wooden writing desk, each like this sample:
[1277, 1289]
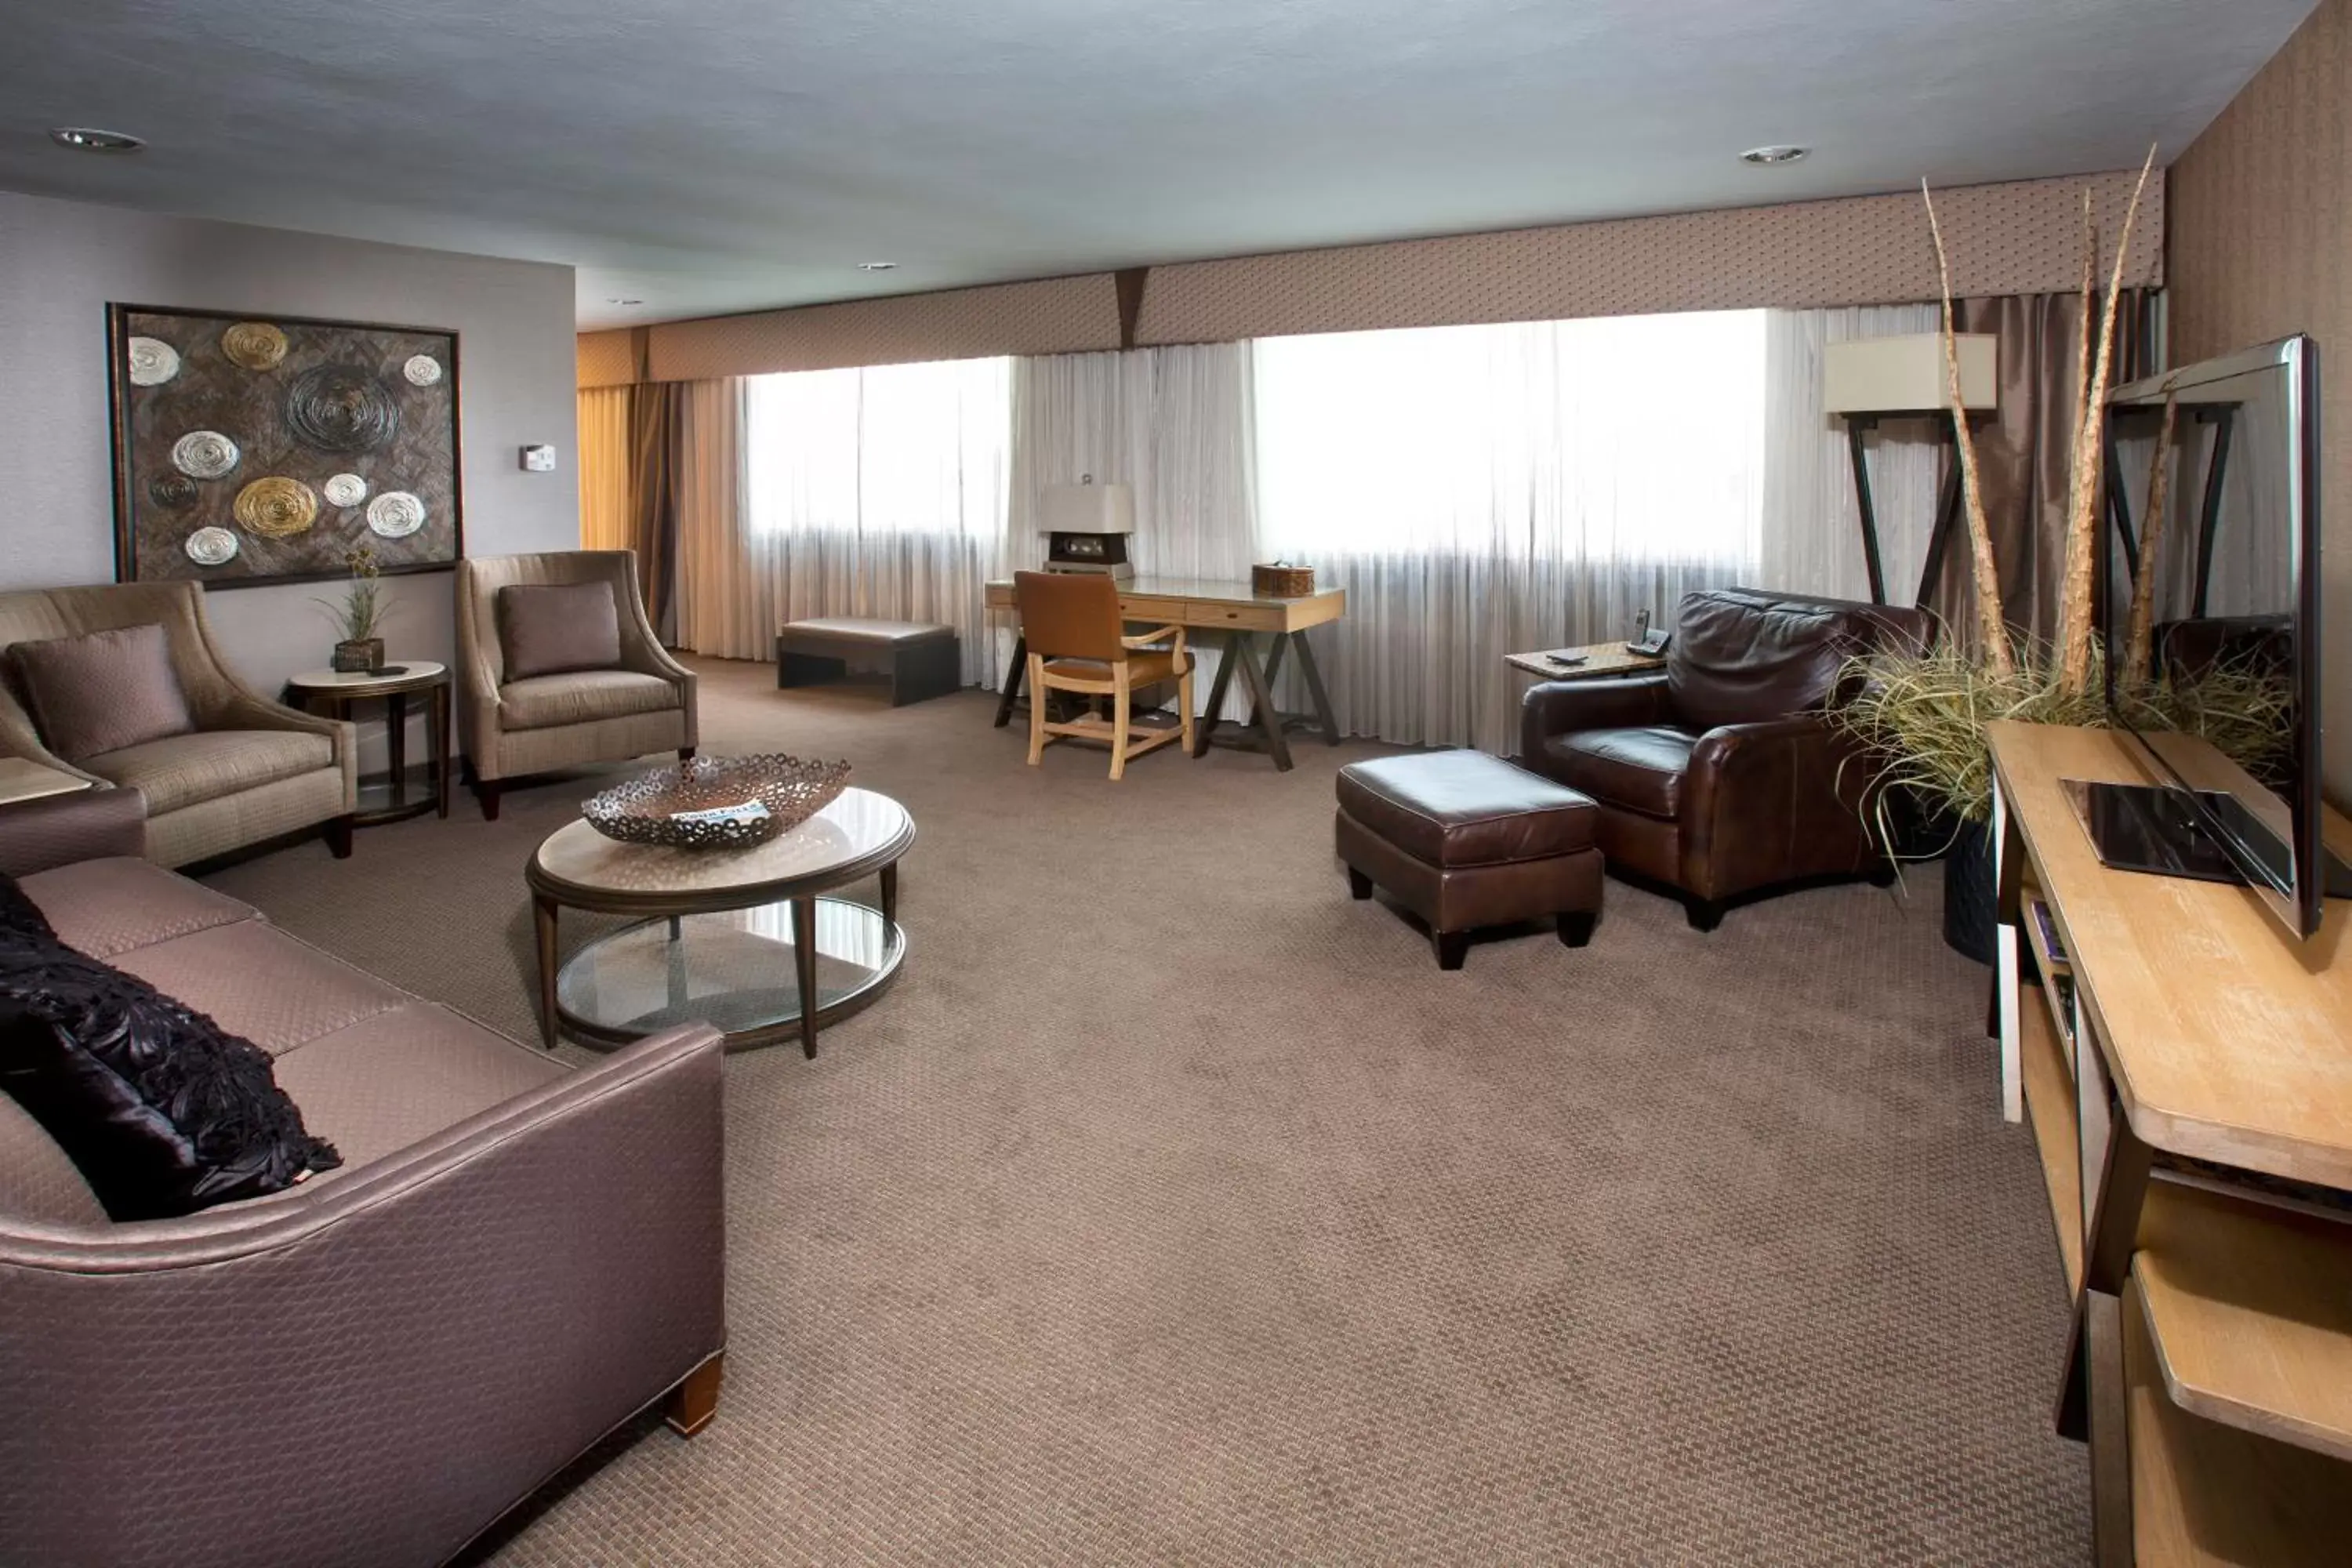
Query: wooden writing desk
[1240, 614]
[2202, 1066]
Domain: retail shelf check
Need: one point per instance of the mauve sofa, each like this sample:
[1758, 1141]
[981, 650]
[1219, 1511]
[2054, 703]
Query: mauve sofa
[369, 1368]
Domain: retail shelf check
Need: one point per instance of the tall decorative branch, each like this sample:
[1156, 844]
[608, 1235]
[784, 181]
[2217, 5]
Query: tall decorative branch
[2075, 607]
[2140, 653]
[1993, 627]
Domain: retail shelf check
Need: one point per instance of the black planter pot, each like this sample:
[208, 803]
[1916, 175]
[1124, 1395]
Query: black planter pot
[1968, 893]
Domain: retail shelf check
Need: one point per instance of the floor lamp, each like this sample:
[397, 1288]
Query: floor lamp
[1866, 379]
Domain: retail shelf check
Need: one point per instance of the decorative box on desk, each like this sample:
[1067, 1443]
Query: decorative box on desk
[2190, 1087]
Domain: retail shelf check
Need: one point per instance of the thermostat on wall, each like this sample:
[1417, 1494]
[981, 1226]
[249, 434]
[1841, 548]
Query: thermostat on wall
[539, 459]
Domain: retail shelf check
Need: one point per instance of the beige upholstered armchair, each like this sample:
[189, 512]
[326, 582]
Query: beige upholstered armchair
[251, 769]
[513, 727]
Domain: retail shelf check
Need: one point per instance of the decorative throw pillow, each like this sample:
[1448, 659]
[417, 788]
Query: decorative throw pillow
[19, 916]
[103, 691]
[164, 1111]
[550, 629]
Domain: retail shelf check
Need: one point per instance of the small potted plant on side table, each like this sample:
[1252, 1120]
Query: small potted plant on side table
[358, 616]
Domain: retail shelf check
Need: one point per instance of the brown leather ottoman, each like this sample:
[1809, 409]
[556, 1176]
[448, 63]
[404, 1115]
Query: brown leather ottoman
[1466, 840]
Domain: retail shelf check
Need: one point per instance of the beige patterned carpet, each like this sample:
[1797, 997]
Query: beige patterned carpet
[1177, 1208]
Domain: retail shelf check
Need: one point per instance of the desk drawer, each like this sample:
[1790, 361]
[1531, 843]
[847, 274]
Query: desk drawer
[1248, 617]
[1144, 608]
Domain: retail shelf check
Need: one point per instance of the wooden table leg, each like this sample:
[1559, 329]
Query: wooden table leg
[889, 896]
[2091, 1399]
[1273, 674]
[543, 917]
[1009, 688]
[395, 741]
[437, 716]
[1314, 674]
[804, 966]
[1217, 688]
[1270, 722]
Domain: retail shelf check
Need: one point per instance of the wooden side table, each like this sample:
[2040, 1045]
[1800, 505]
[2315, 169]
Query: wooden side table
[333, 693]
[1600, 661]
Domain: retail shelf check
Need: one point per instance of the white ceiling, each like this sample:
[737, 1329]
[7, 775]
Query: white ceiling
[713, 155]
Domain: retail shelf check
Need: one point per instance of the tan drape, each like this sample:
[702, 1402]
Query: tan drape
[2025, 453]
[604, 468]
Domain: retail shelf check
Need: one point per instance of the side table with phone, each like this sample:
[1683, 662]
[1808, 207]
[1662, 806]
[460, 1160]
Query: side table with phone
[1644, 652]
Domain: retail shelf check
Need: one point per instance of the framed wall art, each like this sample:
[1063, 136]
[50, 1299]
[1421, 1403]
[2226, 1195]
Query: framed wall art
[271, 448]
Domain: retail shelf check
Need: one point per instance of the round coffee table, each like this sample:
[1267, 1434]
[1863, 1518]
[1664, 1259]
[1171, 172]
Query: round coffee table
[736, 938]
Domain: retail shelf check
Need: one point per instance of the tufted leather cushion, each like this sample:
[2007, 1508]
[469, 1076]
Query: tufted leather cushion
[582, 697]
[1640, 770]
[1739, 655]
[546, 628]
[188, 770]
[103, 691]
[1465, 808]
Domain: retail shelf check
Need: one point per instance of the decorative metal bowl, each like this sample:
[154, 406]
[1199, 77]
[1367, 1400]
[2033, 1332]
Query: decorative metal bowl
[718, 802]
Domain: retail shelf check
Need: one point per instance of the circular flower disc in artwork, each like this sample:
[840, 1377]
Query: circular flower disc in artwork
[421, 370]
[177, 491]
[277, 507]
[395, 514]
[204, 454]
[154, 361]
[342, 408]
[212, 547]
[256, 345]
[344, 490]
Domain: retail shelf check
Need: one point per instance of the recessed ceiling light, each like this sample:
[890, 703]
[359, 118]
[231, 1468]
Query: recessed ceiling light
[875, 266]
[89, 138]
[1774, 154]
[617, 301]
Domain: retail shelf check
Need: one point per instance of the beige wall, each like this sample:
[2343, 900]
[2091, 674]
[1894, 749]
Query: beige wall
[2021, 237]
[2261, 247]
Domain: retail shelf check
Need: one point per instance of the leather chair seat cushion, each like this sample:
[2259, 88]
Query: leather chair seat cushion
[1466, 808]
[189, 770]
[106, 908]
[377, 1086]
[582, 697]
[1143, 668]
[1638, 770]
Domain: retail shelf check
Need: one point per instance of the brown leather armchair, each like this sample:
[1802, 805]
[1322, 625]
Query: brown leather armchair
[1722, 776]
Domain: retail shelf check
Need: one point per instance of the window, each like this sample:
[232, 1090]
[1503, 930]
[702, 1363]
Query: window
[880, 452]
[1623, 439]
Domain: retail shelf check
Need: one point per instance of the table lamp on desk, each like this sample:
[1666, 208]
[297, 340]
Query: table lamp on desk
[1086, 527]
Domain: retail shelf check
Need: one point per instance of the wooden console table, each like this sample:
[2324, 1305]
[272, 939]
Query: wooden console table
[1238, 612]
[2188, 1072]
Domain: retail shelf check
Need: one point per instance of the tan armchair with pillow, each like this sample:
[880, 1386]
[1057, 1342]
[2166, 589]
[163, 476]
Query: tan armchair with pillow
[89, 691]
[552, 673]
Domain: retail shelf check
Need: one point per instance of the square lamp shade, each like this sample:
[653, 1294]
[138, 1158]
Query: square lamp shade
[1088, 508]
[1906, 375]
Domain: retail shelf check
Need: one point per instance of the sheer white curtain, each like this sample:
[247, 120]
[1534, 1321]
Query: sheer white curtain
[877, 492]
[1812, 532]
[1480, 491]
[1176, 424]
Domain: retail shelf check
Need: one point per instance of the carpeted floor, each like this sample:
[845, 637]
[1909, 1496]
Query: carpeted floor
[1176, 1208]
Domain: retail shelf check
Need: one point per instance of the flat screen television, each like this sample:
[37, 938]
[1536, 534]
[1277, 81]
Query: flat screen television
[2232, 572]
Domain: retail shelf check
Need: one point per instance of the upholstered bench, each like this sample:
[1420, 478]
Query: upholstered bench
[1466, 840]
[922, 660]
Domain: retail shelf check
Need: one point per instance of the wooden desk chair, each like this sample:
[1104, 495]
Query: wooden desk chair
[1076, 644]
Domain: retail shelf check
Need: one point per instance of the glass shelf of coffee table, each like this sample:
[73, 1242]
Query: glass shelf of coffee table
[734, 969]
